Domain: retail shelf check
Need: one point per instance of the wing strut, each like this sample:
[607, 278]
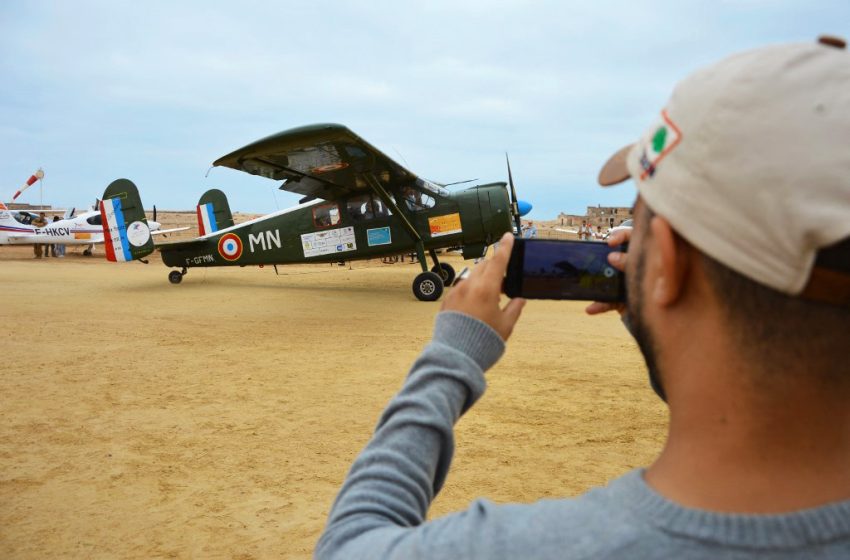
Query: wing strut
[379, 190]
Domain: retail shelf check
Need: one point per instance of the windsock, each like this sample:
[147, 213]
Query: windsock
[37, 176]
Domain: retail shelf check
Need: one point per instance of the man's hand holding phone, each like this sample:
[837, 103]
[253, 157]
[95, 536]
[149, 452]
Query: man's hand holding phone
[479, 296]
[618, 261]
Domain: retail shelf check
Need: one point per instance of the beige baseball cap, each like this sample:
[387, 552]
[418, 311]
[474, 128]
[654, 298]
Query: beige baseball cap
[750, 163]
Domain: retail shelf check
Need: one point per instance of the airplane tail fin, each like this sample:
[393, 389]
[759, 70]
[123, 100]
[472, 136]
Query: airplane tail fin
[213, 212]
[126, 234]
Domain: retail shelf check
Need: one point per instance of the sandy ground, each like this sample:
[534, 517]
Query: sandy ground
[217, 418]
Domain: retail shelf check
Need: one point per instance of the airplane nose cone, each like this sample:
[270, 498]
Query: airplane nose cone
[524, 207]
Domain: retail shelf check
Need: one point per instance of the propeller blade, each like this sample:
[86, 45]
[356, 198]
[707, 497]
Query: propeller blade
[514, 207]
[154, 212]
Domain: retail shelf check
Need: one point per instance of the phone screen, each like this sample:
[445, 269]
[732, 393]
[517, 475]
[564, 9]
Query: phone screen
[544, 269]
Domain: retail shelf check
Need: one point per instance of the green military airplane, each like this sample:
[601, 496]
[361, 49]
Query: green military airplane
[358, 204]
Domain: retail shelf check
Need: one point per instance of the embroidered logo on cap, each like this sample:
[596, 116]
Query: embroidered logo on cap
[654, 148]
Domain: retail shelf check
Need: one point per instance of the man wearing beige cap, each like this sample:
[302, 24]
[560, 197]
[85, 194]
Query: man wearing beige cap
[738, 278]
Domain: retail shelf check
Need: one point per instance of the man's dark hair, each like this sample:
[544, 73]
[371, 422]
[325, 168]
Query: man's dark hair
[782, 331]
[778, 331]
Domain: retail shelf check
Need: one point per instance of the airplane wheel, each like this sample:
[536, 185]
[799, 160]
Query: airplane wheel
[175, 277]
[447, 272]
[87, 253]
[428, 286]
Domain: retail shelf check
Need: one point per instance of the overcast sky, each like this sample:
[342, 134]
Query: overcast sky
[153, 91]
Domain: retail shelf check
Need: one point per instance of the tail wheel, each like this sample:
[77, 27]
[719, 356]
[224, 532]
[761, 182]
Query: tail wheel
[428, 286]
[175, 277]
[447, 272]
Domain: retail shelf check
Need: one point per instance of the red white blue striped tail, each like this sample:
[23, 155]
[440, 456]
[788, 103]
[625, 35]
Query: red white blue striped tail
[115, 231]
[206, 219]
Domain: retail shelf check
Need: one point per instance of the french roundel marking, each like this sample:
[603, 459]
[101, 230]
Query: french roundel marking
[230, 247]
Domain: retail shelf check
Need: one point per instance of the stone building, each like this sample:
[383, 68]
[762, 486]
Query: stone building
[603, 216]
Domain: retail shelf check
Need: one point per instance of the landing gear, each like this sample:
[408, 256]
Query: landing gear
[89, 251]
[176, 277]
[446, 271]
[428, 286]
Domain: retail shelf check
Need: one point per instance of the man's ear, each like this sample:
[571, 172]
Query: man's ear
[672, 261]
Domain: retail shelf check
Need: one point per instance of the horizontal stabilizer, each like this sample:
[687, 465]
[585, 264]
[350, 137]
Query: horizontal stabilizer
[169, 245]
[172, 230]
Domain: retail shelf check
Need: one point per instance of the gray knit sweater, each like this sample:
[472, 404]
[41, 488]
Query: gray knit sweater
[380, 511]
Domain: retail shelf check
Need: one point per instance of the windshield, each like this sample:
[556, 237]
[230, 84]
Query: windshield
[433, 187]
[23, 217]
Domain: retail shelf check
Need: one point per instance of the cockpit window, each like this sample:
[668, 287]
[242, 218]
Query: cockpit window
[95, 220]
[360, 207]
[434, 188]
[326, 215]
[416, 200]
[23, 217]
[366, 207]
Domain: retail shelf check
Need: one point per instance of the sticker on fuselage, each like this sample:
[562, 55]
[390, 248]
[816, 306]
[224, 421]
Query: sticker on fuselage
[444, 225]
[378, 236]
[328, 242]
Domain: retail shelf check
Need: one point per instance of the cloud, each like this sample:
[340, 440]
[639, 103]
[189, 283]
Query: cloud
[155, 91]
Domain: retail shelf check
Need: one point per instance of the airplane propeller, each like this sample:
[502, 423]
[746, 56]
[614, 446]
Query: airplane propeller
[154, 212]
[519, 208]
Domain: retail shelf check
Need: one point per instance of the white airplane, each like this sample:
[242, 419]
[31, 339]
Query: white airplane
[628, 224]
[86, 229]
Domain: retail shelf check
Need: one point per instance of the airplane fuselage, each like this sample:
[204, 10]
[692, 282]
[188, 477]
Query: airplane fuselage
[323, 231]
[82, 230]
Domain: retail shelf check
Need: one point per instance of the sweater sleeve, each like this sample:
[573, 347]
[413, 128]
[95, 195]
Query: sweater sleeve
[381, 508]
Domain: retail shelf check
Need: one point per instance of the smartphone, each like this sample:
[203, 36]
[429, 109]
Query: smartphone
[550, 269]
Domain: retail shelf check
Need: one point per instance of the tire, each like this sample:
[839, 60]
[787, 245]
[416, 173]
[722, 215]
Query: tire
[175, 277]
[447, 272]
[428, 286]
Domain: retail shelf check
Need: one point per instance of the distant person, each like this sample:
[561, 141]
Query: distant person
[745, 340]
[58, 248]
[585, 233]
[412, 199]
[39, 222]
[530, 231]
[598, 234]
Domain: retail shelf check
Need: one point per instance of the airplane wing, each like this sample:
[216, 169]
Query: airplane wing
[324, 161]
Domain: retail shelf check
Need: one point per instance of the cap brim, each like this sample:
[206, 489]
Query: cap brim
[615, 170]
